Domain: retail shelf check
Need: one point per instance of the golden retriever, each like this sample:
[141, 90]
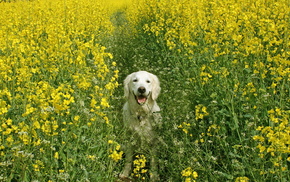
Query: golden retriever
[141, 115]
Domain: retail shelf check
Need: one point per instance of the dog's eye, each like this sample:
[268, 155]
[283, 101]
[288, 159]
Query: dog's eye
[135, 80]
[148, 81]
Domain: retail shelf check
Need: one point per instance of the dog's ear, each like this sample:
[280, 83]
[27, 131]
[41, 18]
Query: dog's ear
[155, 87]
[126, 86]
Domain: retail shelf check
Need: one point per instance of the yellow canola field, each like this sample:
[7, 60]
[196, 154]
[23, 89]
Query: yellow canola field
[55, 78]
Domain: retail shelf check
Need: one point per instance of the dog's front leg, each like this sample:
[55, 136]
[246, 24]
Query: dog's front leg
[154, 166]
[128, 162]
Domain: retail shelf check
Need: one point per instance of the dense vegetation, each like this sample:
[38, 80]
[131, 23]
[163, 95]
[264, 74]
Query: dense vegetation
[224, 69]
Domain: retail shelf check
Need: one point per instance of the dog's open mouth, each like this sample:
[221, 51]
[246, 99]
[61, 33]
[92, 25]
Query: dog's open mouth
[141, 99]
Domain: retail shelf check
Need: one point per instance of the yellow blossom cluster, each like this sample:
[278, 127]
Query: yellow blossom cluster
[274, 140]
[55, 78]
[242, 179]
[200, 111]
[115, 152]
[168, 21]
[139, 167]
[189, 174]
[185, 127]
[212, 130]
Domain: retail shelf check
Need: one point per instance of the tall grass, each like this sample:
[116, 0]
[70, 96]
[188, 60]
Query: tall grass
[224, 70]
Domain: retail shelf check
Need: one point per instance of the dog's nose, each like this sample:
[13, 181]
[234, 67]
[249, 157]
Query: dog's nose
[141, 90]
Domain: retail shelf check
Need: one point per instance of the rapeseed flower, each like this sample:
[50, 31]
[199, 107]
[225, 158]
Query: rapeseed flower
[242, 179]
[57, 79]
[139, 166]
[115, 153]
[200, 112]
[51, 63]
[189, 174]
[274, 139]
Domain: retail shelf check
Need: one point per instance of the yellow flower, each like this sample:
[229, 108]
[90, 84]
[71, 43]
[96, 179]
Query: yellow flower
[118, 147]
[190, 174]
[36, 167]
[139, 164]
[200, 112]
[242, 179]
[116, 156]
[104, 102]
[92, 157]
[76, 118]
[187, 172]
[10, 139]
[36, 124]
[56, 155]
[194, 174]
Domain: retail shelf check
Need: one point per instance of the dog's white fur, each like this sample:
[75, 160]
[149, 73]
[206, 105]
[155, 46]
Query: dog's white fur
[141, 115]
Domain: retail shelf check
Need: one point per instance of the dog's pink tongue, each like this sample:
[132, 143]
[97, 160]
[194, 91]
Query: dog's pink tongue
[141, 99]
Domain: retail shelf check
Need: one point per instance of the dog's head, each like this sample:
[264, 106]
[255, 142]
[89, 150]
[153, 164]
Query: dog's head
[142, 86]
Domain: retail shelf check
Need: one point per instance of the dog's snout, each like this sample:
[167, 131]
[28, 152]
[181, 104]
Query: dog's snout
[141, 90]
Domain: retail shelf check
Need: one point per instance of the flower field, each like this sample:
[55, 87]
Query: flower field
[56, 83]
[224, 68]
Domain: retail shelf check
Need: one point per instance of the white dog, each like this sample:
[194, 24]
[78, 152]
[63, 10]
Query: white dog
[141, 115]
